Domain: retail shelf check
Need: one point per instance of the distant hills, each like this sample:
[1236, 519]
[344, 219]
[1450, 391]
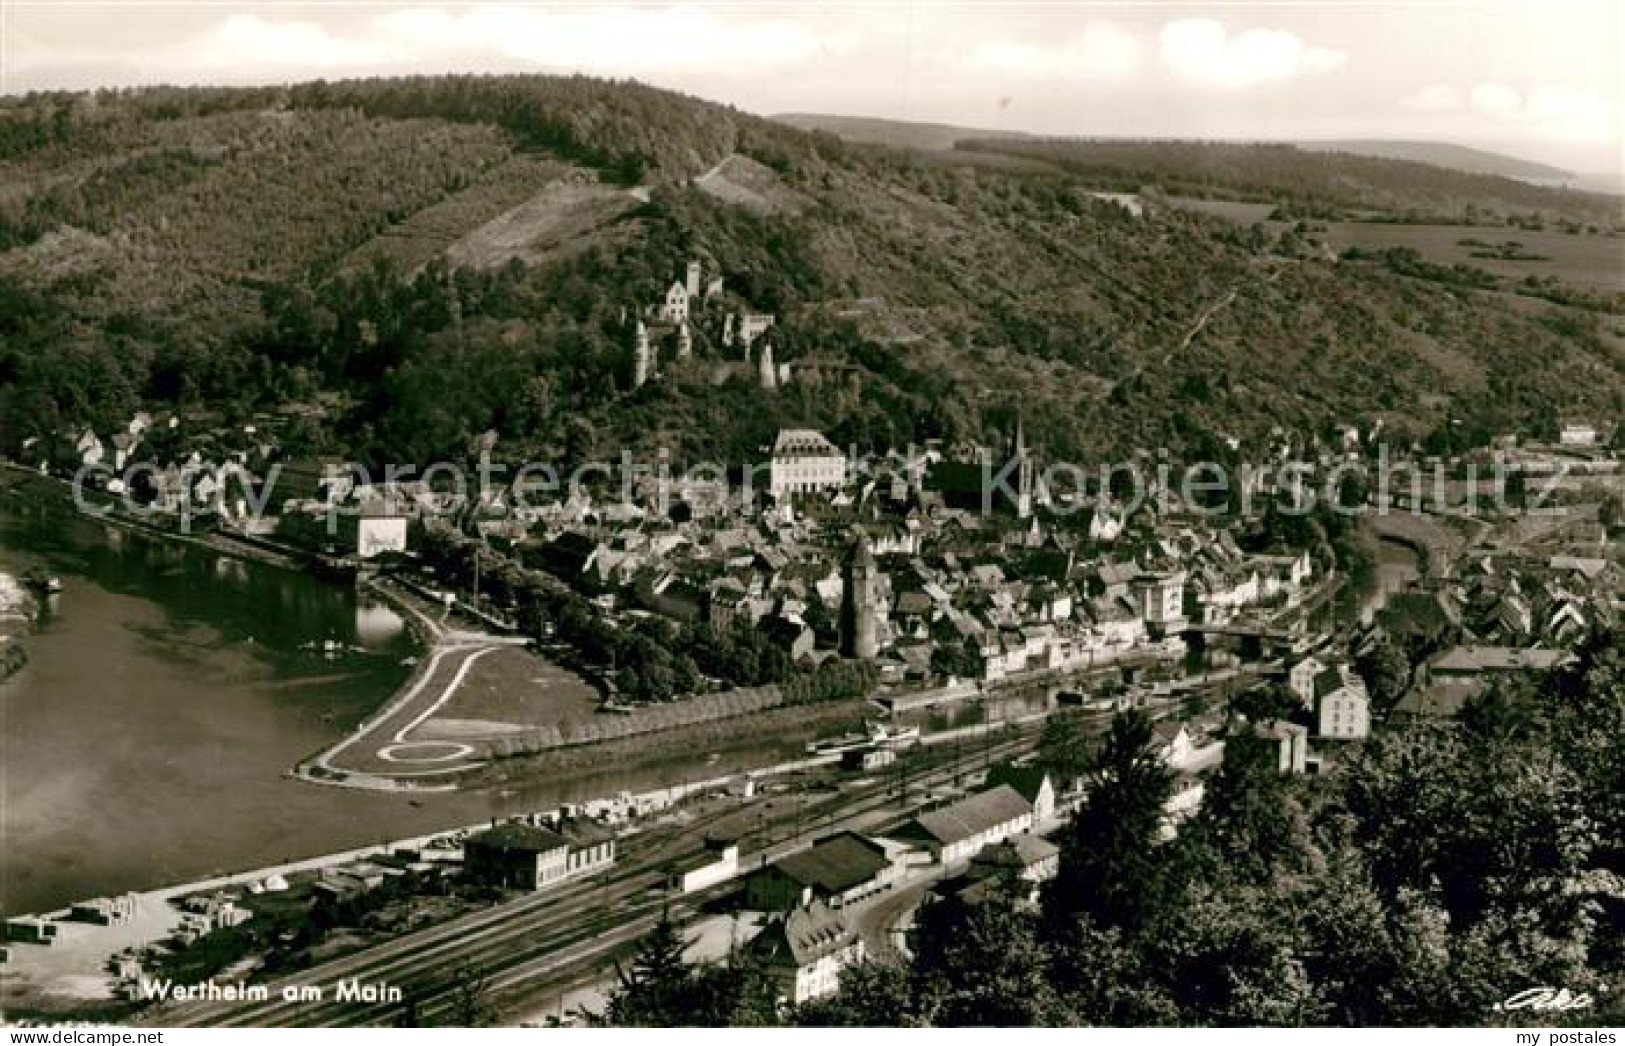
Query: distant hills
[900, 134]
[1444, 154]
[908, 134]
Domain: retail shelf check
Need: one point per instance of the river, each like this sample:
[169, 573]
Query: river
[167, 690]
[1398, 565]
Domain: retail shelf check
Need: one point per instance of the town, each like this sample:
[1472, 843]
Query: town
[520, 515]
[947, 594]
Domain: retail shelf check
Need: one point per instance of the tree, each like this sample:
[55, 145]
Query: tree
[1232, 961]
[1250, 826]
[470, 1007]
[1489, 823]
[656, 990]
[1611, 512]
[1065, 748]
[734, 994]
[1387, 674]
[1111, 869]
[1260, 704]
[961, 659]
[980, 963]
[871, 995]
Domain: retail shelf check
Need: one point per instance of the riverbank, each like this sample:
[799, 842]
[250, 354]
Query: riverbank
[17, 610]
[71, 978]
[59, 492]
[419, 739]
[790, 727]
[1436, 544]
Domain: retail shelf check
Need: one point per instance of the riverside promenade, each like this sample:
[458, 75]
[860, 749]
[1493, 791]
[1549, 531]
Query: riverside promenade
[388, 750]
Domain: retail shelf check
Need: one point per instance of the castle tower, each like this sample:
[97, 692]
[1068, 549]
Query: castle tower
[692, 285]
[858, 603]
[643, 358]
[768, 371]
[454, 300]
[685, 343]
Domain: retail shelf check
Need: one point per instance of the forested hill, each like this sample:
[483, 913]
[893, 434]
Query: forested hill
[1319, 179]
[1443, 154]
[1433, 178]
[428, 259]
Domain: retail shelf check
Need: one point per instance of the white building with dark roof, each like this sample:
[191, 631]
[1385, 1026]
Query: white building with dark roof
[955, 832]
[805, 462]
[835, 871]
[1343, 708]
[1577, 434]
[806, 950]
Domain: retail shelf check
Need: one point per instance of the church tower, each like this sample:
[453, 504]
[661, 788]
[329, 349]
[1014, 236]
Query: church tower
[1023, 471]
[858, 625]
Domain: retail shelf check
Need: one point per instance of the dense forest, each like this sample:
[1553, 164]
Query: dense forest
[232, 252]
[1444, 870]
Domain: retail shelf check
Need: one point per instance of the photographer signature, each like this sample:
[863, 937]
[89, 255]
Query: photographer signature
[1559, 1000]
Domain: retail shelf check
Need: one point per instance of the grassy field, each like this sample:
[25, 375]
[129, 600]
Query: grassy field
[508, 690]
[1235, 210]
[495, 191]
[1592, 262]
[560, 218]
[742, 181]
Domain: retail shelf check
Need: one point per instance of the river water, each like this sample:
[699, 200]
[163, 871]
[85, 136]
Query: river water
[167, 690]
[1397, 567]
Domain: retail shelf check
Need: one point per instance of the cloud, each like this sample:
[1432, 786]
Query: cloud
[1497, 100]
[1101, 51]
[1574, 115]
[607, 40]
[1554, 112]
[1560, 113]
[1439, 98]
[1202, 51]
[613, 39]
[251, 40]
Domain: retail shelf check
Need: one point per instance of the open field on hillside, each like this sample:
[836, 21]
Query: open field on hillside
[560, 218]
[742, 181]
[1592, 262]
[1234, 210]
[430, 231]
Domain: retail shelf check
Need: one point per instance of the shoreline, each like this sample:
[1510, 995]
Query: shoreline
[55, 491]
[222, 542]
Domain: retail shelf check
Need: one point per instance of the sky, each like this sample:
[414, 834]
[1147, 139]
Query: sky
[1540, 79]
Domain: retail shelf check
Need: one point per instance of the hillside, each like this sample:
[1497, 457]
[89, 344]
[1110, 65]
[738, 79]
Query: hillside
[1443, 154]
[1421, 178]
[900, 134]
[1316, 184]
[909, 134]
[448, 256]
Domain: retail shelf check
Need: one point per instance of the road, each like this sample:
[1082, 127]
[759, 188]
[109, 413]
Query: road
[382, 752]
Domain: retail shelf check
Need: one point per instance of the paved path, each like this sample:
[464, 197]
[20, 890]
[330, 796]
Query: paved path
[382, 752]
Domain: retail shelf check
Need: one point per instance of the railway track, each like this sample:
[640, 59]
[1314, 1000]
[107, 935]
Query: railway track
[568, 930]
